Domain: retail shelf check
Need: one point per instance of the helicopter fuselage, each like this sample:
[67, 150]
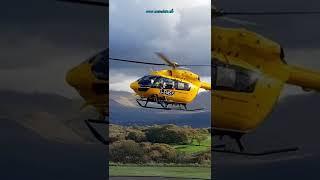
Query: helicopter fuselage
[249, 73]
[90, 79]
[172, 86]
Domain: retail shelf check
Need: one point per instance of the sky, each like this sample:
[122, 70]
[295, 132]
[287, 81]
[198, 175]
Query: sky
[184, 36]
[42, 39]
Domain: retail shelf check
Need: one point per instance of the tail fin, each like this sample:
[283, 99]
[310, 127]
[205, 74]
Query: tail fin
[305, 78]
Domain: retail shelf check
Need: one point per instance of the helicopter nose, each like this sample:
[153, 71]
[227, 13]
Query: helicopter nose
[71, 77]
[134, 86]
[78, 76]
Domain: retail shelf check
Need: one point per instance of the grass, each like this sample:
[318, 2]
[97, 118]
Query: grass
[194, 147]
[177, 172]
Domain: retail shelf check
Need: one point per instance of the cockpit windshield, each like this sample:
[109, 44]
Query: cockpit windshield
[147, 81]
[100, 65]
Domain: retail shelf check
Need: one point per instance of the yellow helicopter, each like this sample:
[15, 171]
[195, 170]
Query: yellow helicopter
[90, 79]
[249, 72]
[175, 87]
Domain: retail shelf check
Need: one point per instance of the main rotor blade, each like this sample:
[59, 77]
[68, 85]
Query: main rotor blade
[137, 62]
[195, 65]
[93, 3]
[164, 58]
[239, 21]
[157, 64]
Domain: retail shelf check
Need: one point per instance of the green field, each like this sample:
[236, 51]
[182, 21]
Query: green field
[194, 147]
[177, 172]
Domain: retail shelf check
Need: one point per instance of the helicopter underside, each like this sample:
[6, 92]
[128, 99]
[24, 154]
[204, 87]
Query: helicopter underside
[164, 104]
[237, 136]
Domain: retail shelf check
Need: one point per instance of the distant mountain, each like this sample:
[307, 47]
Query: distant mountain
[57, 118]
[294, 121]
[25, 151]
[125, 111]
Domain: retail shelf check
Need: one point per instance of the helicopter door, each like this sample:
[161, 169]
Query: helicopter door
[168, 83]
[234, 97]
[165, 85]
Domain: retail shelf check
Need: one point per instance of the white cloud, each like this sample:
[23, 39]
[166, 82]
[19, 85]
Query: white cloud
[206, 79]
[184, 35]
[121, 81]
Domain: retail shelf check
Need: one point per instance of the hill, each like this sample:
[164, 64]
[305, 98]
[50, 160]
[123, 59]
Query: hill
[51, 116]
[125, 111]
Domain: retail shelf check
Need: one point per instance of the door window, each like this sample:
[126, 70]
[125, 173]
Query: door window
[233, 78]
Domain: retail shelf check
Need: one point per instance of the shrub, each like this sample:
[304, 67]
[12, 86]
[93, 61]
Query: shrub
[169, 134]
[126, 151]
[116, 133]
[136, 135]
[203, 158]
[201, 135]
[161, 153]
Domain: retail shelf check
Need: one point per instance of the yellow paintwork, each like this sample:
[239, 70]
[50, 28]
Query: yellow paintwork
[306, 78]
[83, 80]
[179, 96]
[243, 112]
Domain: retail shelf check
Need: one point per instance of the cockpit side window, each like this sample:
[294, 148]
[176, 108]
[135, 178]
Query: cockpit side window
[164, 83]
[168, 83]
[233, 78]
[100, 69]
[182, 86]
[226, 77]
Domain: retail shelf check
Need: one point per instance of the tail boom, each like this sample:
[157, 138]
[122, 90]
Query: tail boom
[305, 78]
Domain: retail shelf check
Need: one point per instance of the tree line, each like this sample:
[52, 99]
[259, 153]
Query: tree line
[154, 144]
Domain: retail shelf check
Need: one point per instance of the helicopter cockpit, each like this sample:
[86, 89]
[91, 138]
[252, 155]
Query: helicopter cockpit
[147, 81]
[100, 65]
[162, 83]
[233, 78]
